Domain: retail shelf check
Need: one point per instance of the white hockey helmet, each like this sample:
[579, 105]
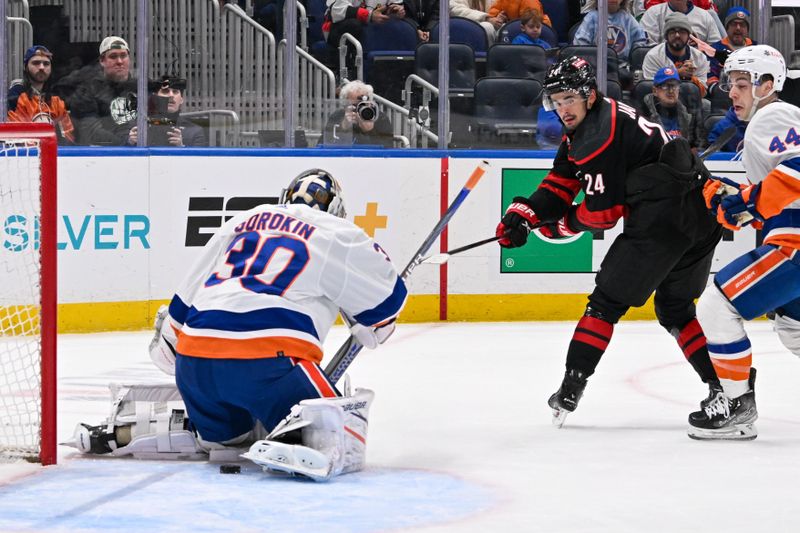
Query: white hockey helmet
[317, 189]
[758, 60]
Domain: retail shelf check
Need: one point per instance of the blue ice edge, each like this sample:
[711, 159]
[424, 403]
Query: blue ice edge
[87, 495]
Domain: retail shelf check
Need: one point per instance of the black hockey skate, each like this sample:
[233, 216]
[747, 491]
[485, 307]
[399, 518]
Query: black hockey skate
[566, 398]
[727, 418]
[714, 388]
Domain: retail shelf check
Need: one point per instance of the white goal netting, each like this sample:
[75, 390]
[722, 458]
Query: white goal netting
[20, 297]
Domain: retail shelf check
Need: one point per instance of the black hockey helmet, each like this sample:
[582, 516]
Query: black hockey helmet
[571, 74]
[317, 189]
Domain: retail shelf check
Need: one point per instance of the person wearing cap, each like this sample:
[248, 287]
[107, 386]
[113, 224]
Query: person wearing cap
[737, 27]
[691, 64]
[166, 126]
[33, 101]
[664, 107]
[105, 104]
[701, 22]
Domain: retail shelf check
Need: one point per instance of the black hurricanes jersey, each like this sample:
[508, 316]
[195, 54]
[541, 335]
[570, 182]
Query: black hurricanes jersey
[597, 157]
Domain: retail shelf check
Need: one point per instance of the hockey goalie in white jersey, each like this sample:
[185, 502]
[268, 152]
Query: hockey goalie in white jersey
[768, 277]
[243, 335]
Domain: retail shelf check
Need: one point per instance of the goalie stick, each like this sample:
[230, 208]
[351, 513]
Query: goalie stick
[349, 350]
[441, 258]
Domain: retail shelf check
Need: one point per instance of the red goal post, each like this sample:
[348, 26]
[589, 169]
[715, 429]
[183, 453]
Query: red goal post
[29, 151]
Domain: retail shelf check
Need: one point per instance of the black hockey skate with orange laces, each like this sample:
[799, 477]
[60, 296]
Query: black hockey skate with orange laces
[727, 418]
[566, 398]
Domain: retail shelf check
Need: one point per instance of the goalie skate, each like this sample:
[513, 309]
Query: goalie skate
[291, 459]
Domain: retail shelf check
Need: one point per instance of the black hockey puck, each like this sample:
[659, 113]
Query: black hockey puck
[230, 469]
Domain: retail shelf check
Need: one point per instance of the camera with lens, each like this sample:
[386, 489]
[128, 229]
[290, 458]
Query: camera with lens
[366, 109]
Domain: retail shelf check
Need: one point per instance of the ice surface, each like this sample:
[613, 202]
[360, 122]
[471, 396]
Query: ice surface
[460, 440]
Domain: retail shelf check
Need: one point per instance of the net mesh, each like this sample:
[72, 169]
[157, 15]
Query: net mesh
[20, 339]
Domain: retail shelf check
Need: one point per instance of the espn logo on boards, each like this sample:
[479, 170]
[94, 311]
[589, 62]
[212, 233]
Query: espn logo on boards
[216, 211]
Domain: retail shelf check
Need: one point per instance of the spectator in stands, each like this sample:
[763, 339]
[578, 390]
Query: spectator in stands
[33, 101]
[359, 120]
[623, 34]
[425, 14]
[708, 5]
[729, 120]
[737, 27]
[691, 64]
[664, 107]
[701, 23]
[166, 126]
[514, 9]
[477, 10]
[350, 16]
[531, 26]
[104, 106]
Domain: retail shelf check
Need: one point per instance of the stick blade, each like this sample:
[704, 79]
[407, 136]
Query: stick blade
[437, 259]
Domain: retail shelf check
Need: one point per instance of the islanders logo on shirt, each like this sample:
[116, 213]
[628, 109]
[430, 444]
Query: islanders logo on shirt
[617, 39]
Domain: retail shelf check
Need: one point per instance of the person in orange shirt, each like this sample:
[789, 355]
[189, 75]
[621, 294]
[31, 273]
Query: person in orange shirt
[31, 100]
[515, 8]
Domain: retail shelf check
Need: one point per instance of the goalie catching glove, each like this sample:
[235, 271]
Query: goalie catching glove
[518, 221]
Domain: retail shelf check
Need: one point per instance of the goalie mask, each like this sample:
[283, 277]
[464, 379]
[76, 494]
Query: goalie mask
[573, 74]
[317, 189]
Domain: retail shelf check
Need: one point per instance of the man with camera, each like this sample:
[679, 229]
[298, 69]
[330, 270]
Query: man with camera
[359, 120]
[166, 126]
[104, 105]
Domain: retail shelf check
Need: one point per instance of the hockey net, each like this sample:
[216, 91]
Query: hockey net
[27, 292]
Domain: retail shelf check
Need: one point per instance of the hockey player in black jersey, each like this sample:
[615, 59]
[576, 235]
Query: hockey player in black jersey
[628, 168]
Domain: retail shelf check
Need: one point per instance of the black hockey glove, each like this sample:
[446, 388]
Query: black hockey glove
[518, 221]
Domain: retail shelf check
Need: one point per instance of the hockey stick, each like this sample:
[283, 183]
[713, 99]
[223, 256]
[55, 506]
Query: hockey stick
[349, 350]
[439, 259]
[717, 145]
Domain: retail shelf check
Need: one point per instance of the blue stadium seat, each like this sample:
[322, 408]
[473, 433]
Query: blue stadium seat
[462, 66]
[315, 11]
[558, 11]
[506, 112]
[516, 61]
[465, 31]
[389, 56]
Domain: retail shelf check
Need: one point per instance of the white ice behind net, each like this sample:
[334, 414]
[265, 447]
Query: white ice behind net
[20, 340]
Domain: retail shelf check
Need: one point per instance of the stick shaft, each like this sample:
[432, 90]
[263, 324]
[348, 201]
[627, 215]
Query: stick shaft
[473, 245]
[721, 141]
[347, 353]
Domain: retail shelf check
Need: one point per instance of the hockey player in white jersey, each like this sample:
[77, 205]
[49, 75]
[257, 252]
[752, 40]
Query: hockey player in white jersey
[768, 277]
[244, 333]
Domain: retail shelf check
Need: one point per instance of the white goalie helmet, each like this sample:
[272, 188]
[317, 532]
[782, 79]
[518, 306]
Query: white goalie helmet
[758, 60]
[317, 189]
